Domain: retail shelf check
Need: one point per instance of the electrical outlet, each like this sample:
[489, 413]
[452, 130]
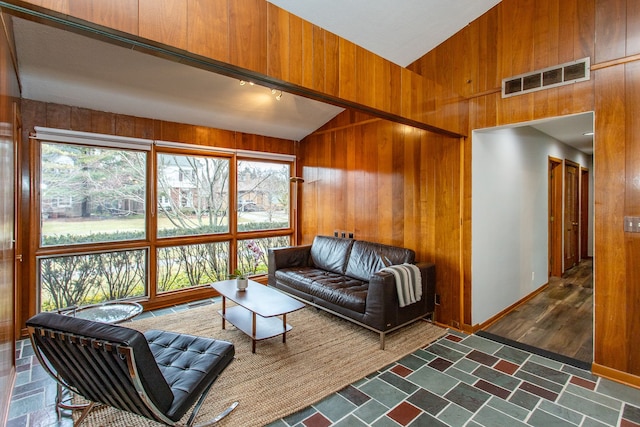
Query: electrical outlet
[351, 235]
[336, 233]
[632, 224]
[344, 234]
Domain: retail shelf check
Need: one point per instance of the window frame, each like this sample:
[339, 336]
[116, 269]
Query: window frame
[151, 243]
[292, 165]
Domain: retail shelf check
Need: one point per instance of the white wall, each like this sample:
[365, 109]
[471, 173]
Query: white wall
[509, 215]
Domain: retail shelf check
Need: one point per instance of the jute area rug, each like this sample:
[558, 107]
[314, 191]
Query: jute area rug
[322, 355]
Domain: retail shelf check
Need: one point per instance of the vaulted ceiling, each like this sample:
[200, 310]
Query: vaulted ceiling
[67, 68]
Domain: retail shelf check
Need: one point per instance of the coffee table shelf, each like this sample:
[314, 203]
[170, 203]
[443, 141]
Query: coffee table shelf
[257, 310]
[266, 327]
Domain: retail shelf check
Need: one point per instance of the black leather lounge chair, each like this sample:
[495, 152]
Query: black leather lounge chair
[158, 375]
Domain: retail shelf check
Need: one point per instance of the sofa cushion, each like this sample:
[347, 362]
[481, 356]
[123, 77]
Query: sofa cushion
[367, 258]
[332, 287]
[330, 253]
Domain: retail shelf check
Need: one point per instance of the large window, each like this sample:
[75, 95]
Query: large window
[187, 266]
[263, 195]
[193, 195]
[122, 218]
[91, 194]
[252, 253]
[77, 280]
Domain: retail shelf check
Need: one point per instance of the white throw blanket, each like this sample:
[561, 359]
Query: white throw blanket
[408, 282]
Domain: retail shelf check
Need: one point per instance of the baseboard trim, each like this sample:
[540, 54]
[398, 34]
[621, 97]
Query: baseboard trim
[503, 313]
[615, 375]
[535, 350]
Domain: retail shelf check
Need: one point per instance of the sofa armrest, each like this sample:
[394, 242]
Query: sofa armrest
[293, 256]
[382, 298]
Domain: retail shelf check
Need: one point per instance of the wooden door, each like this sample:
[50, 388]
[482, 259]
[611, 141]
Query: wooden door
[555, 215]
[571, 214]
[584, 213]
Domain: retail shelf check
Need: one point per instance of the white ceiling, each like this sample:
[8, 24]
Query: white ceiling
[575, 130]
[67, 68]
[400, 31]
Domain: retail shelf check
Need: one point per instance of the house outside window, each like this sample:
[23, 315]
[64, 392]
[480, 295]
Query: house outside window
[263, 195]
[85, 191]
[198, 205]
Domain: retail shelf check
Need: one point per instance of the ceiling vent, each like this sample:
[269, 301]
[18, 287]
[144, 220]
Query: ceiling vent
[560, 75]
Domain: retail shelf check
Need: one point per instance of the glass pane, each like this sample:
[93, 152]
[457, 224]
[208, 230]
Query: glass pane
[91, 194]
[252, 253]
[79, 280]
[263, 195]
[193, 195]
[187, 266]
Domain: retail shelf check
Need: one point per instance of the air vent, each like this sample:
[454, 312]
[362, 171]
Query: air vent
[560, 75]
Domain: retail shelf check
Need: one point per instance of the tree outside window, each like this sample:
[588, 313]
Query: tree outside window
[91, 194]
[263, 195]
[193, 195]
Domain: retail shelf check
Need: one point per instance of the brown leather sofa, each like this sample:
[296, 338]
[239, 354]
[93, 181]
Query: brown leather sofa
[343, 277]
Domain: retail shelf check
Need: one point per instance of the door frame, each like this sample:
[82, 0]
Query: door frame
[584, 213]
[571, 204]
[555, 219]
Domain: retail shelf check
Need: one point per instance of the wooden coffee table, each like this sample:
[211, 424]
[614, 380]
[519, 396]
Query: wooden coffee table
[257, 309]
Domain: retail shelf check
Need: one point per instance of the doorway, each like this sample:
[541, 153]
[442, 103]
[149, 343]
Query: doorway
[519, 184]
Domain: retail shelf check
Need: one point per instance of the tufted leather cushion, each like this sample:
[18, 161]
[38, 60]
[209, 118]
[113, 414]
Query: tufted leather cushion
[330, 253]
[188, 363]
[332, 287]
[367, 258]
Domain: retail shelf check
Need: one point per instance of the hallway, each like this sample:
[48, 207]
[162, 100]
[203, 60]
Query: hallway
[558, 319]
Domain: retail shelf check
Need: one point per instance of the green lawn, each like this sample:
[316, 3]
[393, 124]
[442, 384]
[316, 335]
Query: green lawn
[85, 227]
[81, 227]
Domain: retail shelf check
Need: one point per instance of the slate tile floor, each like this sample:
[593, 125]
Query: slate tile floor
[460, 380]
[466, 380]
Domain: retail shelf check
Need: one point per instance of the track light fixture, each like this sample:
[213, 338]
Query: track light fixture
[277, 93]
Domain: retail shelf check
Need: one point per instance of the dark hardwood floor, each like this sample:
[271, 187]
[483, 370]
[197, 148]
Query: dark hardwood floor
[559, 319]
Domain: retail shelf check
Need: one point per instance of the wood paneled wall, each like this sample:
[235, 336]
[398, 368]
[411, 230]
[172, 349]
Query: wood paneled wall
[515, 37]
[519, 36]
[9, 99]
[273, 44]
[388, 183]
